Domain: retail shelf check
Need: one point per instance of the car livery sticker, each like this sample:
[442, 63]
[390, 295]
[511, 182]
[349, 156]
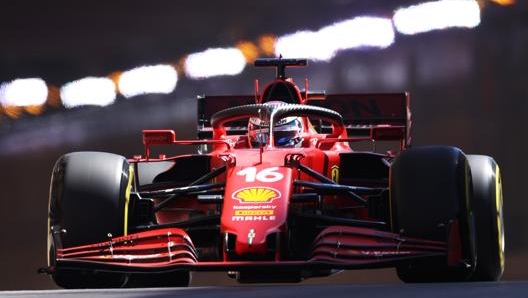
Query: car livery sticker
[335, 173]
[262, 212]
[238, 218]
[260, 194]
[251, 236]
[254, 212]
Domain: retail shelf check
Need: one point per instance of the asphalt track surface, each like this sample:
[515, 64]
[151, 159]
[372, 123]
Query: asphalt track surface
[506, 289]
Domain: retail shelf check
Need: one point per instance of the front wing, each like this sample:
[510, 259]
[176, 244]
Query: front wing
[169, 249]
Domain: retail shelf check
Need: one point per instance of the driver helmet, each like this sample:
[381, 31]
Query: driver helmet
[287, 131]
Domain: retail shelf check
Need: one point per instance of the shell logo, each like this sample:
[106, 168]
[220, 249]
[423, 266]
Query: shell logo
[256, 195]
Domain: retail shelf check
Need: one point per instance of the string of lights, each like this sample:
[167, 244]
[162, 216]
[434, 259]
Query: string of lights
[32, 95]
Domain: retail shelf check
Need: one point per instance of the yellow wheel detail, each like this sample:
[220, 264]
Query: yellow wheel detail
[487, 206]
[127, 198]
[500, 221]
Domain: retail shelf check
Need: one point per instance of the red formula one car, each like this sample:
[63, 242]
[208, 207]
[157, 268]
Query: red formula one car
[286, 184]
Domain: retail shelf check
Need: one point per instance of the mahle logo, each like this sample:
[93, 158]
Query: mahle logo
[256, 195]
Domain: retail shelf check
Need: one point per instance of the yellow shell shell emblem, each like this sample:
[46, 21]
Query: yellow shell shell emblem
[256, 195]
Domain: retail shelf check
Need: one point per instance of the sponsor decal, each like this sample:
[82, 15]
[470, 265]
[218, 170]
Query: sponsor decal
[254, 207]
[254, 212]
[260, 194]
[251, 236]
[253, 217]
[335, 173]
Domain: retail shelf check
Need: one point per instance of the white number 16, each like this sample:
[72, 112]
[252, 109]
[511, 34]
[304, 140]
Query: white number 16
[264, 175]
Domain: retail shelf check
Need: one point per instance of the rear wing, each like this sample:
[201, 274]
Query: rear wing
[380, 116]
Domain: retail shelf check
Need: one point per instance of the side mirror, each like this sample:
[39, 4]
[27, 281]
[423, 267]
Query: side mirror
[157, 137]
[387, 133]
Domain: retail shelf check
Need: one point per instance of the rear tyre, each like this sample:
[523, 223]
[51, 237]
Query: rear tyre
[487, 208]
[430, 190]
[88, 194]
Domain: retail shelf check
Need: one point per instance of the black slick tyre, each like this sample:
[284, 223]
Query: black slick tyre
[429, 191]
[87, 204]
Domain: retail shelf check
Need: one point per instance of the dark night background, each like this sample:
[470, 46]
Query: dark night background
[469, 88]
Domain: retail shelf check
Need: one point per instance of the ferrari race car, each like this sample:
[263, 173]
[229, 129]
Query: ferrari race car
[283, 185]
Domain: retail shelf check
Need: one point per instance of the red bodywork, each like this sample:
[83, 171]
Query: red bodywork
[314, 209]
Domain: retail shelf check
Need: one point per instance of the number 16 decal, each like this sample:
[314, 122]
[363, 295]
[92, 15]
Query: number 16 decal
[265, 175]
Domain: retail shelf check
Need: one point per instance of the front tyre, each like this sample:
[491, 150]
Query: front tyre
[487, 207]
[87, 204]
[430, 191]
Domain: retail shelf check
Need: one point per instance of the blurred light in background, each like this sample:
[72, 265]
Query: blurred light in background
[361, 32]
[215, 62]
[437, 15]
[304, 44]
[504, 2]
[31, 95]
[88, 91]
[24, 92]
[324, 44]
[148, 79]
[267, 43]
[249, 50]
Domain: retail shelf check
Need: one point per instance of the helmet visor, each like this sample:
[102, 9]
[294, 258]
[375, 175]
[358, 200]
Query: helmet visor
[281, 138]
[285, 138]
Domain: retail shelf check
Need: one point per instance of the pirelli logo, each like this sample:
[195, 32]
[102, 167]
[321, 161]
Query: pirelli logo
[253, 212]
[256, 194]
